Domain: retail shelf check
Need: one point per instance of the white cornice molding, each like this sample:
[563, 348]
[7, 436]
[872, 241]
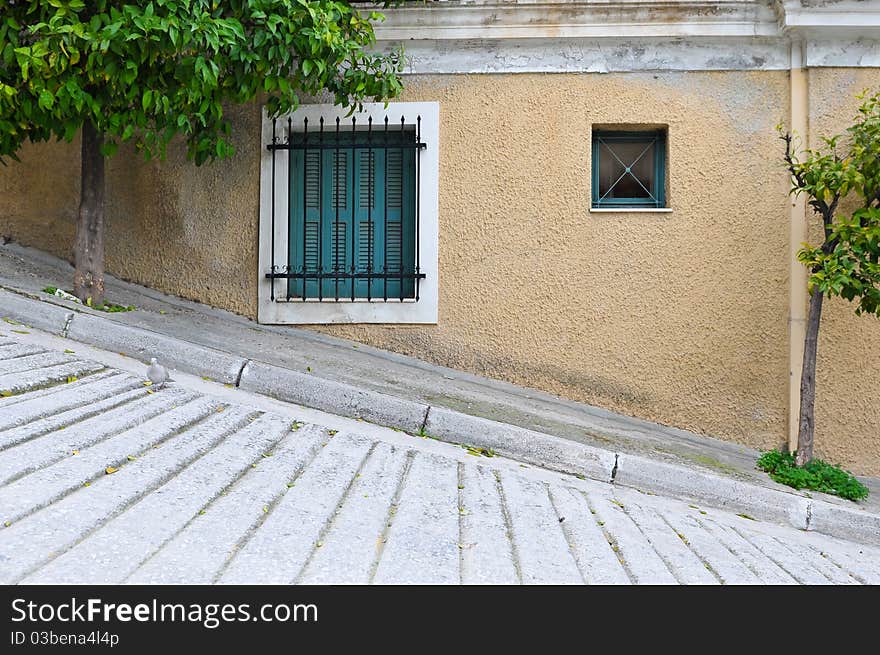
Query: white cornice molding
[455, 19]
[860, 53]
[826, 19]
[594, 55]
[473, 36]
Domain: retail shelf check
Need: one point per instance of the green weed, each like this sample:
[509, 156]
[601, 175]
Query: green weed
[816, 476]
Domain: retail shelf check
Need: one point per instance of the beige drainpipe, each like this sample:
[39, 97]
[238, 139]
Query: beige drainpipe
[797, 306]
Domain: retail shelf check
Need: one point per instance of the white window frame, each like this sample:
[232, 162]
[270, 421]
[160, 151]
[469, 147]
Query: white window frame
[328, 311]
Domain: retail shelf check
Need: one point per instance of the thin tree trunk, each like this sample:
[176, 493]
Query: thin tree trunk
[807, 422]
[88, 251]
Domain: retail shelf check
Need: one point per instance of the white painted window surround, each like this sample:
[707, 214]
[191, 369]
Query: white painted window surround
[425, 310]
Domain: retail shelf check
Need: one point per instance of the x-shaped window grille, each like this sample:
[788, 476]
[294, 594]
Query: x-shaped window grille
[628, 169]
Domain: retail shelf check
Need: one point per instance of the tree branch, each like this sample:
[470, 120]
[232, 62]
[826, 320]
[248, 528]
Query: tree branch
[789, 160]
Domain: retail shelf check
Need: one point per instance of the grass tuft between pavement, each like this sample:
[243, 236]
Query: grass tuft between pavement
[816, 476]
[106, 307]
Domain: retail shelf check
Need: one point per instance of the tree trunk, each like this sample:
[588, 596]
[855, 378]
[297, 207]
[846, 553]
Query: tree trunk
[807, 421]
[88, 250]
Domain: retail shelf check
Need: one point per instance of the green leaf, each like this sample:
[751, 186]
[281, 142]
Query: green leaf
[47, 100]
[108, 149]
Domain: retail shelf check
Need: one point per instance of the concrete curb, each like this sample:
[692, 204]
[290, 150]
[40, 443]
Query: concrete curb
[519, 443]
[33, 312]
[845, 521]
[780, 506]
[754, 501]
[759, 502]
[76, 324]
[333, 397]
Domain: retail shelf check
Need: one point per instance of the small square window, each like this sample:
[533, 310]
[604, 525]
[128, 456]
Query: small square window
[629, 169]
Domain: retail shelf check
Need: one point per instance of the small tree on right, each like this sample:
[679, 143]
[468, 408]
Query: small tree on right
[845, 168]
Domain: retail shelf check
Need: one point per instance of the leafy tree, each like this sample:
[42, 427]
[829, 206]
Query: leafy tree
[145, 72]
[845, 263]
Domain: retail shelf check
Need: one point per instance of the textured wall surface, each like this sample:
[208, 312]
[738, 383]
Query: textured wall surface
[186, 230]
[848, 363]
[678, 317]
[39, 196]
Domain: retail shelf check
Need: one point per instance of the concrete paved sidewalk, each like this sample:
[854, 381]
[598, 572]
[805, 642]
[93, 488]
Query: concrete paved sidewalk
[353, 380]
[105, 480]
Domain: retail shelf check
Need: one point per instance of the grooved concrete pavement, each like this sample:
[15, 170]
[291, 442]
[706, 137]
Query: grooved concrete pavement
[315, 367]
[212, 484]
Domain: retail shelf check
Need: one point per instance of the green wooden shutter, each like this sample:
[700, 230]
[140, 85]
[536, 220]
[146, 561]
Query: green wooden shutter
[398, 221]
[305, 224]
[365, 221]
[361, 219]
[337, 220]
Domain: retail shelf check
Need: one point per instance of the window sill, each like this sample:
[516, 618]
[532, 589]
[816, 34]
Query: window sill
[630, 210]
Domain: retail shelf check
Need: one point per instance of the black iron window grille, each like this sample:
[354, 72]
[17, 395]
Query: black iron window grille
[352, 210]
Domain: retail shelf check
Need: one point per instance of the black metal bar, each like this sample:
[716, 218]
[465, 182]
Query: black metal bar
[305, 249]
[272, 255]
[369, 208]
[385, 231]
[336, 224]
[418, 191]
[402, 207]
[392, 140]
[353, 230]
[289, 208]
[355, 146]
[321, 208]
[330, 275]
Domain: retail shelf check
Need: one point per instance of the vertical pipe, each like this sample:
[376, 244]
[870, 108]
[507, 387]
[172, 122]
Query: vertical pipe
[272, 254]
[798, 233]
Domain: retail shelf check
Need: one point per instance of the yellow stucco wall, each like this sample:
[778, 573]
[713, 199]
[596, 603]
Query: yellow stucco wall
[848, 362]
[186, 230]
[677, 317]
